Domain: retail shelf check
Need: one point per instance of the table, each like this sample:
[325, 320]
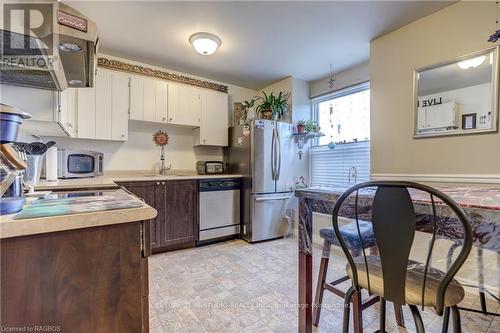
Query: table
[481, 204]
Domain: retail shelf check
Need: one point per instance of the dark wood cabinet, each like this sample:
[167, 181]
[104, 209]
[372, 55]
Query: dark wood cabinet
[149, 192]
[176, 225]
[82, 280]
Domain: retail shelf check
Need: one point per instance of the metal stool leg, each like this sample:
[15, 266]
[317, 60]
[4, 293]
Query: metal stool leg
[457, 325]
[419, 324]
[320, 289]
[357, 312]
[347, 305]
[480, 271]
[382, 315]
[446, 320]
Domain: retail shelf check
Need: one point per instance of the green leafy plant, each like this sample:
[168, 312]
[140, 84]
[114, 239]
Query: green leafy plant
[301, 123]
[277, 104]
[249, 103]
[312, 126]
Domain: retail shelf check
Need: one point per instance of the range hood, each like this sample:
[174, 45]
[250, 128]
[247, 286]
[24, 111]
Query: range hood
[61, 52]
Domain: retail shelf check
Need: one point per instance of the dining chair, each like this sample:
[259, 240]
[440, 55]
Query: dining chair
[392, 275]
[350, 234]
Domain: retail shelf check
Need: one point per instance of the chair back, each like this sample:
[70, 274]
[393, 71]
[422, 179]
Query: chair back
[394, 224]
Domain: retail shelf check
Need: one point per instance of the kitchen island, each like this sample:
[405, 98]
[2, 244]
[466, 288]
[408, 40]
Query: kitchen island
[82, 272]
[480, 202]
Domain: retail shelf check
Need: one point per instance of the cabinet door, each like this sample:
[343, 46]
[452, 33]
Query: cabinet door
[86, 113]
[161, 104]
[181, 214]
[67, 110]
[103, 87]
[149, 100]
[214, 119]
[147, 192]
[119, 106]
[184, 105]
[136, 98]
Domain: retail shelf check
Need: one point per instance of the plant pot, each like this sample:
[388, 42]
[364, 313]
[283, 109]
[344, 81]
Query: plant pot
[301, 128]
[266, 114]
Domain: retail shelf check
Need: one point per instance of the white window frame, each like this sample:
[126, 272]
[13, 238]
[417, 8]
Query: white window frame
[358, 87]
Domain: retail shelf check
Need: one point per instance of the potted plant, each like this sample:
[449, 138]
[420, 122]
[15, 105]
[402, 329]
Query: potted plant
[272, 106]
[248, 106]
[301, 126]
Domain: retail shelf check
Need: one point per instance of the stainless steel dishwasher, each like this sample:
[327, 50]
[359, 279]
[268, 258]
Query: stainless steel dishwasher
[219, 208]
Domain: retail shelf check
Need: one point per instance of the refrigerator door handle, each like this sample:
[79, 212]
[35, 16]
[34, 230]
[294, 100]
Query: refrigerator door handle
[278, 146]
[273, 162]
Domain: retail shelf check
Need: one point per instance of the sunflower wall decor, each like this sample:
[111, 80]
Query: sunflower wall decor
[161, 139]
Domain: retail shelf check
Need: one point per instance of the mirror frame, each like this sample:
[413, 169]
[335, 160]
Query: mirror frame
[495, 95]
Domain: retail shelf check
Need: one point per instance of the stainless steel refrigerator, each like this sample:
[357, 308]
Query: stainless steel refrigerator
[262, 151]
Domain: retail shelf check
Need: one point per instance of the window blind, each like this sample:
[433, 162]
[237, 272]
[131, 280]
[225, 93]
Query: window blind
[330, 167]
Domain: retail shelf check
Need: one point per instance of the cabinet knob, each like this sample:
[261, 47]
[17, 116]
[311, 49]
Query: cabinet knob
[204, 141]
[157, 183]
[170, 119]
[123, 135]
[163, 183]
[163, 119]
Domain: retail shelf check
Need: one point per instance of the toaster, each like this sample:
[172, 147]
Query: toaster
[209, 167]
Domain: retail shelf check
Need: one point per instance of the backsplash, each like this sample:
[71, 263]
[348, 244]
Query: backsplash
[140, 152]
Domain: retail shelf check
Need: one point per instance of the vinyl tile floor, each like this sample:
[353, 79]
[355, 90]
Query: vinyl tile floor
[239, 287]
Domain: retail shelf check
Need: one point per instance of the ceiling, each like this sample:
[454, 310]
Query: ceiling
[262, 42]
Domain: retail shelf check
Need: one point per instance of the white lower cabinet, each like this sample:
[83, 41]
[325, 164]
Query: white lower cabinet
[213, 130]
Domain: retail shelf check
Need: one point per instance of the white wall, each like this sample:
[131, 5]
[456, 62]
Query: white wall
[139, 152]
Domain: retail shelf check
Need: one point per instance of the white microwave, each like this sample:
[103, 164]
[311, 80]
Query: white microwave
[79, 163]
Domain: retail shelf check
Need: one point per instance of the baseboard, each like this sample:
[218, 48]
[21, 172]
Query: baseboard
[451, 178]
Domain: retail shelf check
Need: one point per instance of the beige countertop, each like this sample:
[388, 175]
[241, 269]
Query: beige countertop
[32, 226]
[110, 178]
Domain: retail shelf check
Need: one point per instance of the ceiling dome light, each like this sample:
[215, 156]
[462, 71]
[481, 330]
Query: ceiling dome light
[205, 43]
[472, 63]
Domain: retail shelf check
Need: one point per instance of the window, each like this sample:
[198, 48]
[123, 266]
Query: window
[344, 118]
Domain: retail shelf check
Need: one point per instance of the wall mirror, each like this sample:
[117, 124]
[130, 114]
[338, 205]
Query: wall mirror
[459, 96]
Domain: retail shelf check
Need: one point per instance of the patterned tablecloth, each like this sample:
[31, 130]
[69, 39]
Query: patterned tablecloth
[481, 204]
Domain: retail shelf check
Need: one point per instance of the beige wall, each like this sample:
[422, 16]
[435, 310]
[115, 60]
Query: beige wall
[457, 30]
[354, 75]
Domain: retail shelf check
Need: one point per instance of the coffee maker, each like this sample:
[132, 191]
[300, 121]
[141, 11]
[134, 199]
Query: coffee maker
[12, 165]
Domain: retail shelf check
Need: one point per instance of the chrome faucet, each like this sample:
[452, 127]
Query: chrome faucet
[163, 167]
[353, 172]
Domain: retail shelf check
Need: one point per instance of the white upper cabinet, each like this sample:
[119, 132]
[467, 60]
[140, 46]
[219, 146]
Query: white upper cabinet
[86, 113]
[184, 105]
[119, 106]
[136, 98]
[67, 108]
[213, 129]
[161, 101]
[103, 88]
[149, 100]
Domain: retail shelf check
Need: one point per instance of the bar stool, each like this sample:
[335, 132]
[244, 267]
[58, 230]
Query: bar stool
[350, 235]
